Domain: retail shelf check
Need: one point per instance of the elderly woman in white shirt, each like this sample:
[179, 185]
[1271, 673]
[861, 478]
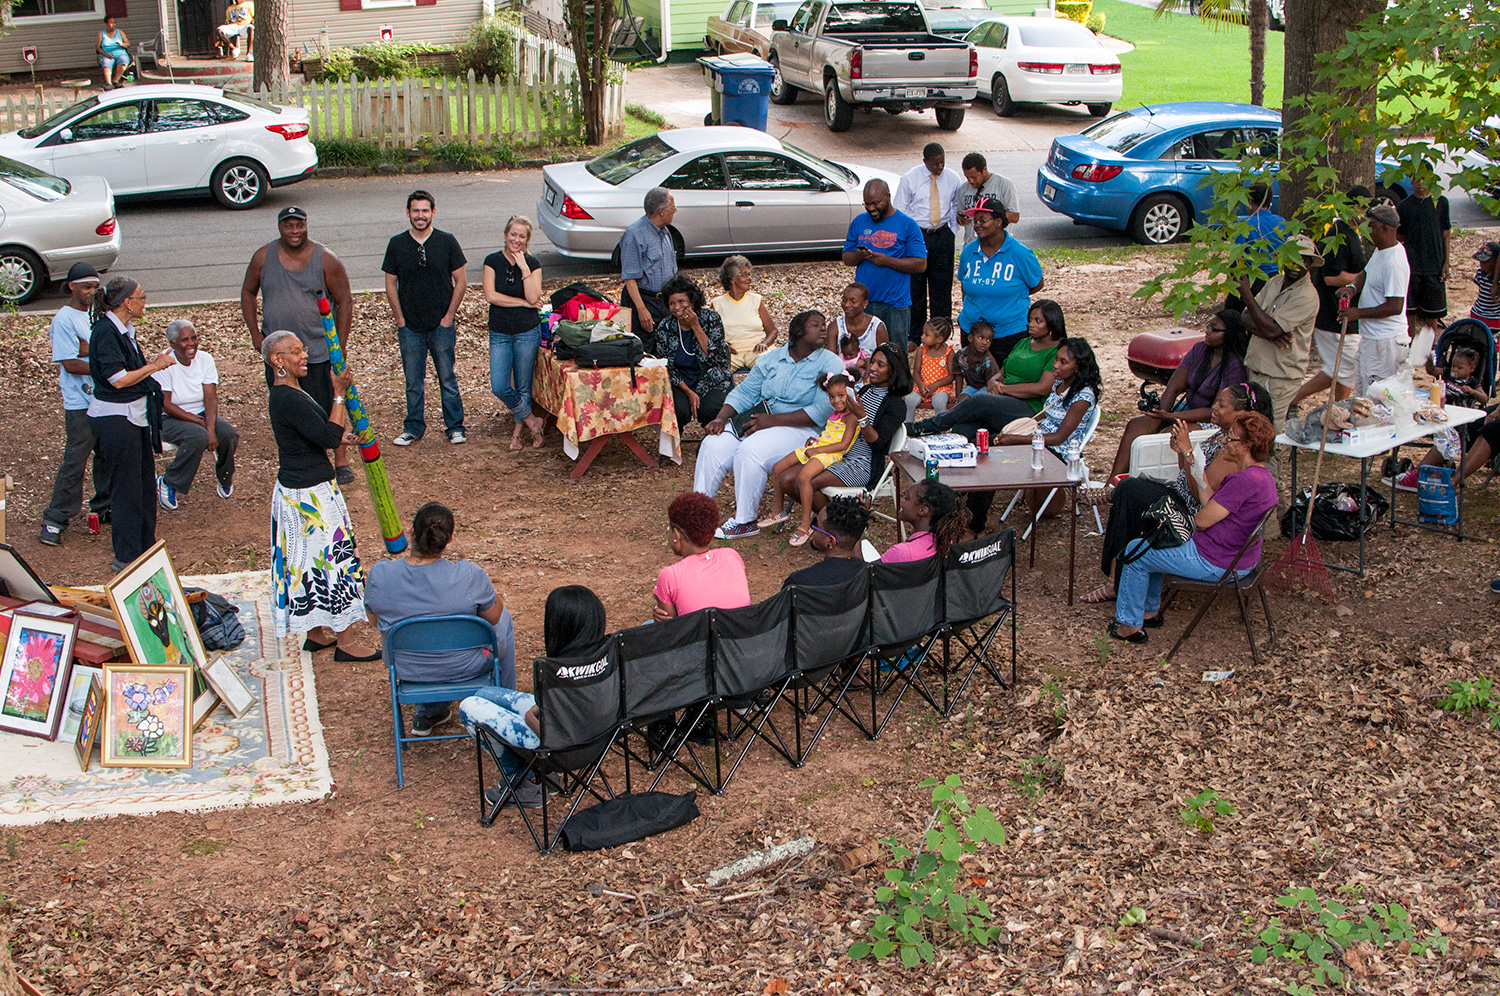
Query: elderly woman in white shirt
[190, 417]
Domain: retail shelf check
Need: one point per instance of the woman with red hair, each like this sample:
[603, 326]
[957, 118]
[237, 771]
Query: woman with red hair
[703, 578]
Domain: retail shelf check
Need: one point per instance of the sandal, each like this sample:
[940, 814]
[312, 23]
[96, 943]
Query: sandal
[515, 440]
[799, 538]
[774, 520]
[1104, 593]
[1139, 636]
[537, 431]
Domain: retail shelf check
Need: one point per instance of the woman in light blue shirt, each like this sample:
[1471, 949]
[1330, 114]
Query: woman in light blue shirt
[114, 53]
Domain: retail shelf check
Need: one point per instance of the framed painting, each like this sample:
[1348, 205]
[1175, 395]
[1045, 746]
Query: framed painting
[19, 581]
[156, 621]
[148, 717]
[88, 720]
[228, 686]
[203, 707]
[34, 674]
[78, 690]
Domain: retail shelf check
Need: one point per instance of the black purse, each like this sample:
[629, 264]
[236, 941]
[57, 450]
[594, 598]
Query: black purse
[1166, 528]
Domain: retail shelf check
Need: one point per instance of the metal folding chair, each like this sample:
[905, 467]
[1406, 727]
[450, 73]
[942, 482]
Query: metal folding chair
[1229, 581]
[435, 634]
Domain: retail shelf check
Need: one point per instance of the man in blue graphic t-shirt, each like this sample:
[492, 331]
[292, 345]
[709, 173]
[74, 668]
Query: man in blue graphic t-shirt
[886, 247]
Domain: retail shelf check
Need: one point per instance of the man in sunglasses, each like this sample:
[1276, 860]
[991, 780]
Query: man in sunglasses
[836, 533]
[424, 283]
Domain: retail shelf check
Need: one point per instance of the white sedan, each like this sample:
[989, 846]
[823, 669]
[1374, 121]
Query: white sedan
[1044, 60]
[47, 224]
[736, 189]
[173, 140]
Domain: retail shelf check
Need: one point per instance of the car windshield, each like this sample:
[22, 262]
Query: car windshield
[42, 186]
[1058, 34]
[848, 174]
[767, 13]
[41, 128]
[245, 100]
[1122, 132]
[854, 18]
[620, 165]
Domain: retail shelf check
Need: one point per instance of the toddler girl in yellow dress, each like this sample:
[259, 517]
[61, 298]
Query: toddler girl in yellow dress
[818, 454]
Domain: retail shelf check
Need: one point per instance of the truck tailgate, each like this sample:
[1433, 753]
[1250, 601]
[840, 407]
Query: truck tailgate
[889, 62]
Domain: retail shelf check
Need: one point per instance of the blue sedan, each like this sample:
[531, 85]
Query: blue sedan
[1150, 171]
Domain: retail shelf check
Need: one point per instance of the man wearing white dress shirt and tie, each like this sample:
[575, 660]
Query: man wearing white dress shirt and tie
[929, 194]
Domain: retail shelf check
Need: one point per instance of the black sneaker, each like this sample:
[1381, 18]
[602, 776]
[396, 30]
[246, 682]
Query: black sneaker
[529, 796]
[51, 535]
[344, 475]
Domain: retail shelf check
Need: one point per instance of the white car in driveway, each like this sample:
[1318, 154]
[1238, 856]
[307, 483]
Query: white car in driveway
[173, 140]
[736, 189]
[47, 224]
[1045, 60]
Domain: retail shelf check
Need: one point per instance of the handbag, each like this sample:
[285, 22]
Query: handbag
[1166, 528]
[742, 419]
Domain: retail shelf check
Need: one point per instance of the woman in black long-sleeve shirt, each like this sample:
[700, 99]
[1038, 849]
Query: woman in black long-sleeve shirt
[125, 415]
[320, 586]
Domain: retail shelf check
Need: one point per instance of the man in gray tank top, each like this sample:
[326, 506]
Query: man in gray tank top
[283, 280]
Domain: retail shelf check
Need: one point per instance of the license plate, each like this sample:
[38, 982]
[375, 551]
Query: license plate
[1049, 192]
[899, 94]
[1077, 68]
[551, 196]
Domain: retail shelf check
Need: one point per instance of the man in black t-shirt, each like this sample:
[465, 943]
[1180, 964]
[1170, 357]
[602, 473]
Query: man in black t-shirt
[836, 534]
[424, 283]
[1342, 262]
[1424, 231]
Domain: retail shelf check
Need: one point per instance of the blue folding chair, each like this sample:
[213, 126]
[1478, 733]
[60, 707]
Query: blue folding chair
[435, 634]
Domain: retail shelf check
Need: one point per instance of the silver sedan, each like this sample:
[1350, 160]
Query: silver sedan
[47, 224]
[737, 190]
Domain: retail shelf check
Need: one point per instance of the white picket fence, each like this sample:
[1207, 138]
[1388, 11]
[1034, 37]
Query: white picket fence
[22, 110]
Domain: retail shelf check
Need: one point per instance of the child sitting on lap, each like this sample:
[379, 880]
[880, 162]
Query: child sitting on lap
[856, 359]
[818, 454]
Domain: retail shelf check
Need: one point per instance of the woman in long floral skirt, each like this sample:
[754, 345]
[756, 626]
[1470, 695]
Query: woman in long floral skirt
[320, 586]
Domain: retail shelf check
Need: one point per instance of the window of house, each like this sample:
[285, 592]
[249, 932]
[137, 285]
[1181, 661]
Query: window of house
[70, 10]
[375, 4]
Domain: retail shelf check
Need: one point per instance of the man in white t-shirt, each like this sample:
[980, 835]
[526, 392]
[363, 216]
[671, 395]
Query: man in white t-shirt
[70, 351]
[1381, 310]
[190, 417]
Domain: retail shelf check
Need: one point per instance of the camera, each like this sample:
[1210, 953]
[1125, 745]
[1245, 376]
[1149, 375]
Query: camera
[1149, 401]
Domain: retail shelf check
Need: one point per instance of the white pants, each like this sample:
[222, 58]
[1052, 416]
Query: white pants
[1377, 359]
[1328, 350]
[751, 460]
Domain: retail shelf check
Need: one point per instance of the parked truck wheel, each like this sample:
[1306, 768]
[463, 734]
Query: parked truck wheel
[837, 111]
[949, 118]
[781, 93]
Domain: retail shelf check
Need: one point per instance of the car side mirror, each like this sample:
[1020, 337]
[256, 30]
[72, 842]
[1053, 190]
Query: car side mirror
[828, 186]
[66, 134]
[780, 24]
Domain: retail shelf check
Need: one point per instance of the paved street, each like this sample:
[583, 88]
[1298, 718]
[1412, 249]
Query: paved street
[187, 251]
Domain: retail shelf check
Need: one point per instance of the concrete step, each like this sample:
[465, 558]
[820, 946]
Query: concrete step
[212, 72]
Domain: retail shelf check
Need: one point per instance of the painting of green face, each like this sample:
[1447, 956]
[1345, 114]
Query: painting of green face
[157, 623]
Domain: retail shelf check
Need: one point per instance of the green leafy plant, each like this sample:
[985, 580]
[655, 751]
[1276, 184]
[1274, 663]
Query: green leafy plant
[1077, 10]
[393, 59]
[349, 152]
[1133, 917]
[1468, 697]
[1053, 691]
[336, 65]
[1105, 647]
[922, 900]
[645, 114]
[1036, 774]
[1095, 21]
[1201, 810]
[489, 49]
[1322, 931]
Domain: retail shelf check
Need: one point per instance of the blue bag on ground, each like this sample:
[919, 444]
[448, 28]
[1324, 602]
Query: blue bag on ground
[1437, 498]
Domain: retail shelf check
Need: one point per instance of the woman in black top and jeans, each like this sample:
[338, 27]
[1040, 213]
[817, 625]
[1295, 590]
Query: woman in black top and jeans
[513, 287]
[125, 415]
[320, 586]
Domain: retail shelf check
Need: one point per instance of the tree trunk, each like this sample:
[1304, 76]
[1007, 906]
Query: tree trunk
[590, 24]
[1260, 23]
[1314, 27]
[269, 44]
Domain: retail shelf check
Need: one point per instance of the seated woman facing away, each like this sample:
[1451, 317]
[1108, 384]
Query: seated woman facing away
[1135, 495]
[426, 583]
[938, 520]
[1209, 367]
[1230, 513]
[572, 624]
[703, 578]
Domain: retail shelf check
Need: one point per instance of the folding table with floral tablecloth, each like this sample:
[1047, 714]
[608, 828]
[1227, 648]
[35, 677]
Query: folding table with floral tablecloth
[593, 405]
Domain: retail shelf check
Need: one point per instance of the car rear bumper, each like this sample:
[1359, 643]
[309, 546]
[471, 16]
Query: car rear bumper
[914, 92]
[580, 239]
[101, 256]
[1043, 89]
[1090, 203]
[295, 177]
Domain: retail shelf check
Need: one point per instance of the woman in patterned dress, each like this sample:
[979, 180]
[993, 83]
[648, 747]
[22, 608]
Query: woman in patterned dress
[320, 586]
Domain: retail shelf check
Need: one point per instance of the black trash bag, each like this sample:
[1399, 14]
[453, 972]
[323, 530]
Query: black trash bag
[628, 817]
[218, 622]
[1336, 512]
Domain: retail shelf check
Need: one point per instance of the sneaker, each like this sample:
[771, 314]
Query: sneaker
[457, 437]
[1406, 481]
[344, 475]
[422, 727]
[528, 796]
[732, 530]
[405, 439]
[115, 566]
[51, 535]
[224, 490]
[166, 494]
[1495, 586]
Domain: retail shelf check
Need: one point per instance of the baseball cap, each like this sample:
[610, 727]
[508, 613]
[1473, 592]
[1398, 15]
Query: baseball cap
[82, 273]
[1309, 251]
[1385, 214]
[291, 212]
[1487, 252]
[987, 204]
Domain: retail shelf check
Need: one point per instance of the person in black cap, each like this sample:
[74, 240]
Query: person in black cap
[70, 350]
[287, 275]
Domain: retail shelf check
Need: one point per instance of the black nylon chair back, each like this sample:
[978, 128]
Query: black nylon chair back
[974, 579]
[752, 645]
[829, 623]
[666, 666]
[905, 601]
[579, 698]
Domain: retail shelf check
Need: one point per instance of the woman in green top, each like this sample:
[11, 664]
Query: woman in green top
[1021, 387]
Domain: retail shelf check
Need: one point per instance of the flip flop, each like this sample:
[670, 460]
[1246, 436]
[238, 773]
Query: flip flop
[1103, 593]
[799, 537]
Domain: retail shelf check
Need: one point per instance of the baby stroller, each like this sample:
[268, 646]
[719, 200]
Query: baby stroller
[1466, 332]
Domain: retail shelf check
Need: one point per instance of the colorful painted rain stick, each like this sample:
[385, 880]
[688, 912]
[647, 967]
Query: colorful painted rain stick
[369, 449]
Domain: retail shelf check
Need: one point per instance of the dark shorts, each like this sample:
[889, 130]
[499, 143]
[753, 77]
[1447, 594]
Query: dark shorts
[318, 383]
[1427, 296]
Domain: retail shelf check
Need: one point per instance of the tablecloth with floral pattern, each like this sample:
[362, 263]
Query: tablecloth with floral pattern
[593, 403]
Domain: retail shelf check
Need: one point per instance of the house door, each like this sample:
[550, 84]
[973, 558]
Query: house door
[195, 28]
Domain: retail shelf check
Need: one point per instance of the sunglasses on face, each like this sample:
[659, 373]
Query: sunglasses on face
[818, 529]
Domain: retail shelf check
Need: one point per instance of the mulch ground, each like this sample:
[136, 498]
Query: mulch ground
[1344, 774]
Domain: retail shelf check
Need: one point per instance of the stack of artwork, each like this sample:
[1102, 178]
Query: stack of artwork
[141, 713]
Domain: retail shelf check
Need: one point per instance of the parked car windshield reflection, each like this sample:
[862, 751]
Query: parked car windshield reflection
[620, 165]
[73, 110]
[1122, 132]
[42, 186]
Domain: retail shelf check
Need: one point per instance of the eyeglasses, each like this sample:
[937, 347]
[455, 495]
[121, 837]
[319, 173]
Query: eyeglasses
[817, 529]
[422, 254]
[1234, 439]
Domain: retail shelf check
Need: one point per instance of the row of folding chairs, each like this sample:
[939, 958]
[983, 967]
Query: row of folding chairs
[693, 694]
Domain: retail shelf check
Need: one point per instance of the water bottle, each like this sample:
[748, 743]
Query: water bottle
[1075, 463]
[1037, 445]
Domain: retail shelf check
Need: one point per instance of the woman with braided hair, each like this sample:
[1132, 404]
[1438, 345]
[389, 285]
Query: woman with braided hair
[938, 518]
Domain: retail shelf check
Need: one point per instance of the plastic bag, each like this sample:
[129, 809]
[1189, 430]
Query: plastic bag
[1448, 443]
[1397, 393]
[1336, 514]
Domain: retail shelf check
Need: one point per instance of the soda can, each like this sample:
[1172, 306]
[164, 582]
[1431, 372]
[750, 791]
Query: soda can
[932, 469]
[982, 440]
[93, 523]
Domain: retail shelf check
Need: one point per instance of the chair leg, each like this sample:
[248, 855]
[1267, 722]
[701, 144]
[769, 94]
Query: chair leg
[1194, 624]
[1011, 507]
[1265, 606]
[1038, 518]
[1098, 522]
[1244, 602]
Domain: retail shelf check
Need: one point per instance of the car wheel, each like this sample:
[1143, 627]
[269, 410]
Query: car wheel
[708, 119]
[240, 184]
[677, 243]
[837, 111]
[1159, 219]
[21, 275]
[949, 118]
[781, 93]
[1000, 97]
[1099, 110]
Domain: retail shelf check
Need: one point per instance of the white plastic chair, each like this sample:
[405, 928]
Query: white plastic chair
[1090, 426]
[885, 487]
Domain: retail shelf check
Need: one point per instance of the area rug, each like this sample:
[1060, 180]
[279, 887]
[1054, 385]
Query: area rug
[273, 754]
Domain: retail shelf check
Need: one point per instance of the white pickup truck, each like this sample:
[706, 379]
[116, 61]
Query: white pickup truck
[872, 53]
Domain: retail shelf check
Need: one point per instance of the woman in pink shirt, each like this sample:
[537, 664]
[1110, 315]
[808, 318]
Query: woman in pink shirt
[938, 520]
[703, 578]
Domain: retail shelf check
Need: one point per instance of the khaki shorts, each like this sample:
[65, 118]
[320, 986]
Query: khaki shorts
[1328, 345]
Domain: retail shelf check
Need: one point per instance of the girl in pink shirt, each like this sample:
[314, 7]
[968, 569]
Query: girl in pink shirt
[703, 578]
[938, 518]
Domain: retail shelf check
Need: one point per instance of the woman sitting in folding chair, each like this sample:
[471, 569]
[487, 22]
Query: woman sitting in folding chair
[1229, 514]
[425, 583]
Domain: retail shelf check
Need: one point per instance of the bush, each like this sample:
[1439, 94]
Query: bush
[378, 61]
[350, 152]
[1095, 21]
[489, 49]
[1075, 10]
[337, 65]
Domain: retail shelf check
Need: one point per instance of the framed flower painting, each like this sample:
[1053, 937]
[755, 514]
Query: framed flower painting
[148, 717]
[34, 673]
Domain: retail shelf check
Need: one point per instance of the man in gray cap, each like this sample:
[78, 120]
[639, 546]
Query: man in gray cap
[287, 275]
[1381, 298]
[70, 350]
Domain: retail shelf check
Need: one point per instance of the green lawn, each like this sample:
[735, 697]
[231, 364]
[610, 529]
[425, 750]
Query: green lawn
[1181, 58]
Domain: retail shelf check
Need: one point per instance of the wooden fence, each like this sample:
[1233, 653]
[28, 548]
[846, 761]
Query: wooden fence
[22, 110]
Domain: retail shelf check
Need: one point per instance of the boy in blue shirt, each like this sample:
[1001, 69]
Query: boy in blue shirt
[71, 329]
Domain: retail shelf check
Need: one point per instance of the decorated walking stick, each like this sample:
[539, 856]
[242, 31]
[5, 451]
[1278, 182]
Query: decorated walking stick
[369, 449]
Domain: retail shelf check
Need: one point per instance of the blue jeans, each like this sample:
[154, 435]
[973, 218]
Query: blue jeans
[897, 323]
[512, 361]
[503, 710]
[414, 349]
[1139, 592]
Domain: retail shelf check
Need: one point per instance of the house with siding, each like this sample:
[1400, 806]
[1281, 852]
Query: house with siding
[65, 32]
